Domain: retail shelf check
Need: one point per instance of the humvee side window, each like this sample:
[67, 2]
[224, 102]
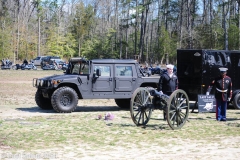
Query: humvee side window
[80, 68]
[123, 70]
[105, 70]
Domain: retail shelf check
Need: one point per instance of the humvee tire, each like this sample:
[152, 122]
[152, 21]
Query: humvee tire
[123, 103]
[64, 100]
[43, 103]
[236, 101]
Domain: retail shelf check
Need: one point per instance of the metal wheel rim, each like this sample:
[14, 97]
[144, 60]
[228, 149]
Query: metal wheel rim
[177, 109]
[66, 100]
[139, 109]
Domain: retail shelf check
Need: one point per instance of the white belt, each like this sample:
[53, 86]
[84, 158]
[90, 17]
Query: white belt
[221, 90]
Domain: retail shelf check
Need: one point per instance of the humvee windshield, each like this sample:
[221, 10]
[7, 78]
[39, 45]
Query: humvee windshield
[78, 67]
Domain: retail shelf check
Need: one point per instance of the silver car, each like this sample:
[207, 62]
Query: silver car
[37, 61]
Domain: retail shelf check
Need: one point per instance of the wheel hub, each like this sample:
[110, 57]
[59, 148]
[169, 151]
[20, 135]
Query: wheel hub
[65, 100]
[179, 109]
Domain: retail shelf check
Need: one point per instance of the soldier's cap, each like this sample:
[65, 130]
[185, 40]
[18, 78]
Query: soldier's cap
[170, 66]
[223, 69]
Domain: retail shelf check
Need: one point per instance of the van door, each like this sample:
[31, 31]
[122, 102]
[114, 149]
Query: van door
[125, 78]
[103, 83]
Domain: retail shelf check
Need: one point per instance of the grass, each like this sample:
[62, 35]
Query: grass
[82, 133]
[84, 128]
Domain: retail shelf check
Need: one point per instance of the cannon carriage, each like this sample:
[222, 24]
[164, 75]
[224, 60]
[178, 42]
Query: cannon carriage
[144, 100]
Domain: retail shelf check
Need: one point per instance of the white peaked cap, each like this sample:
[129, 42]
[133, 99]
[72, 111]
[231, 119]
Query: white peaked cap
[223, 69]
[170, 66]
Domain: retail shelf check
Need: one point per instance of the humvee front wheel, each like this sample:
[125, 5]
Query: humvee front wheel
[43, 103]
[64, 100]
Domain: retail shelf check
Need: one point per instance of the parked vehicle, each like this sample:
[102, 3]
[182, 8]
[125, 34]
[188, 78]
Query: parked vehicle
[156, 70]
[25, 65]
[91, 79]
[6, 64]
[145, 72]
[55, 66]
[37, 61]
[49, 60]
[197, 68]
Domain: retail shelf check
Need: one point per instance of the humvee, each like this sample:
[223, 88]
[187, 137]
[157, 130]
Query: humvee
[91, 79]
[197, 68]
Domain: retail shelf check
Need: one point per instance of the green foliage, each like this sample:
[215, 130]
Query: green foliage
[99, 47]
[233, 37]
[5, 44]
[167, 45]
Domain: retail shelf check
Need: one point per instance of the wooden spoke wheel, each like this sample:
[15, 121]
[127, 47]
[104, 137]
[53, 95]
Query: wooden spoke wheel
[177, 109]
[140, 106]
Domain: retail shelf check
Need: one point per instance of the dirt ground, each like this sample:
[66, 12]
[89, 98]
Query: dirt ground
[192, 150]
[23, 107]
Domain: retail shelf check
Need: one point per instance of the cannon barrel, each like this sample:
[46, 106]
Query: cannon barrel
[159, 94]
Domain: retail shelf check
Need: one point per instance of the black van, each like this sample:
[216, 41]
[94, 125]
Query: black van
[197, 68]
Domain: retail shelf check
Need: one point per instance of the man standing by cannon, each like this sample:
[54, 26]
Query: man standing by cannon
[223, 93]
[168, 83]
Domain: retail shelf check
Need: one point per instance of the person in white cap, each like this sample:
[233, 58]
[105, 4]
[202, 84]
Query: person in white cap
[223, 93]
[168, 82]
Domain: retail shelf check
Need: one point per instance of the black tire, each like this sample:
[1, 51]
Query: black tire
[123, 103]
[43, 103]
[64, 100]
[236, 101]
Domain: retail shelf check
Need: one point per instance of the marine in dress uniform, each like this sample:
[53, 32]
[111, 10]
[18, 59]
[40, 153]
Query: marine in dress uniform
[168, 83]
[223, 93]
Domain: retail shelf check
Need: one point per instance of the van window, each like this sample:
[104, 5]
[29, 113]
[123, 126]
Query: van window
[105, 70]
[123, 70]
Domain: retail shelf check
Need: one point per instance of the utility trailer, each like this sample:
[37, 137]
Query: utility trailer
[198, 67]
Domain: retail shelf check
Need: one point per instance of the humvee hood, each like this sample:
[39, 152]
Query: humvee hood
[63, 76]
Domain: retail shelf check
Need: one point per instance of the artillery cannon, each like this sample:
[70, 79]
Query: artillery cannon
[144, 100]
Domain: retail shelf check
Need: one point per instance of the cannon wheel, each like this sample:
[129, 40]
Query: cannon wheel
[177, 109]
[140, 106]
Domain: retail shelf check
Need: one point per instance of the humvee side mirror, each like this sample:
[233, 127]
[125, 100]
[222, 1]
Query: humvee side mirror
[98, 72]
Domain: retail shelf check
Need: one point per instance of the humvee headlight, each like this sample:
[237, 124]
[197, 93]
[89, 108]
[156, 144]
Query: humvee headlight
[55, 82]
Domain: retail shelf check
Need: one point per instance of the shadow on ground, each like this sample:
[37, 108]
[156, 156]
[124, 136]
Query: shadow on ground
[36, 109]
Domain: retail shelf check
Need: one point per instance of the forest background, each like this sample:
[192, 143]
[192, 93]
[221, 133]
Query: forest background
[146, 30]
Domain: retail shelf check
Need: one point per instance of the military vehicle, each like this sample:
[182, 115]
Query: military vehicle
[197, 68]
[91, 79]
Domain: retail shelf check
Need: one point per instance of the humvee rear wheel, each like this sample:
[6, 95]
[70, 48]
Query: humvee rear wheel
[43, 103]
[123, 103]
[236, 101]
[64, 100]
[177, 109]
[140, 109]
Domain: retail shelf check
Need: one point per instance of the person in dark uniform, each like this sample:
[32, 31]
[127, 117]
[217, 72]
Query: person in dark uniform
[168, 83]
[223, 93]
